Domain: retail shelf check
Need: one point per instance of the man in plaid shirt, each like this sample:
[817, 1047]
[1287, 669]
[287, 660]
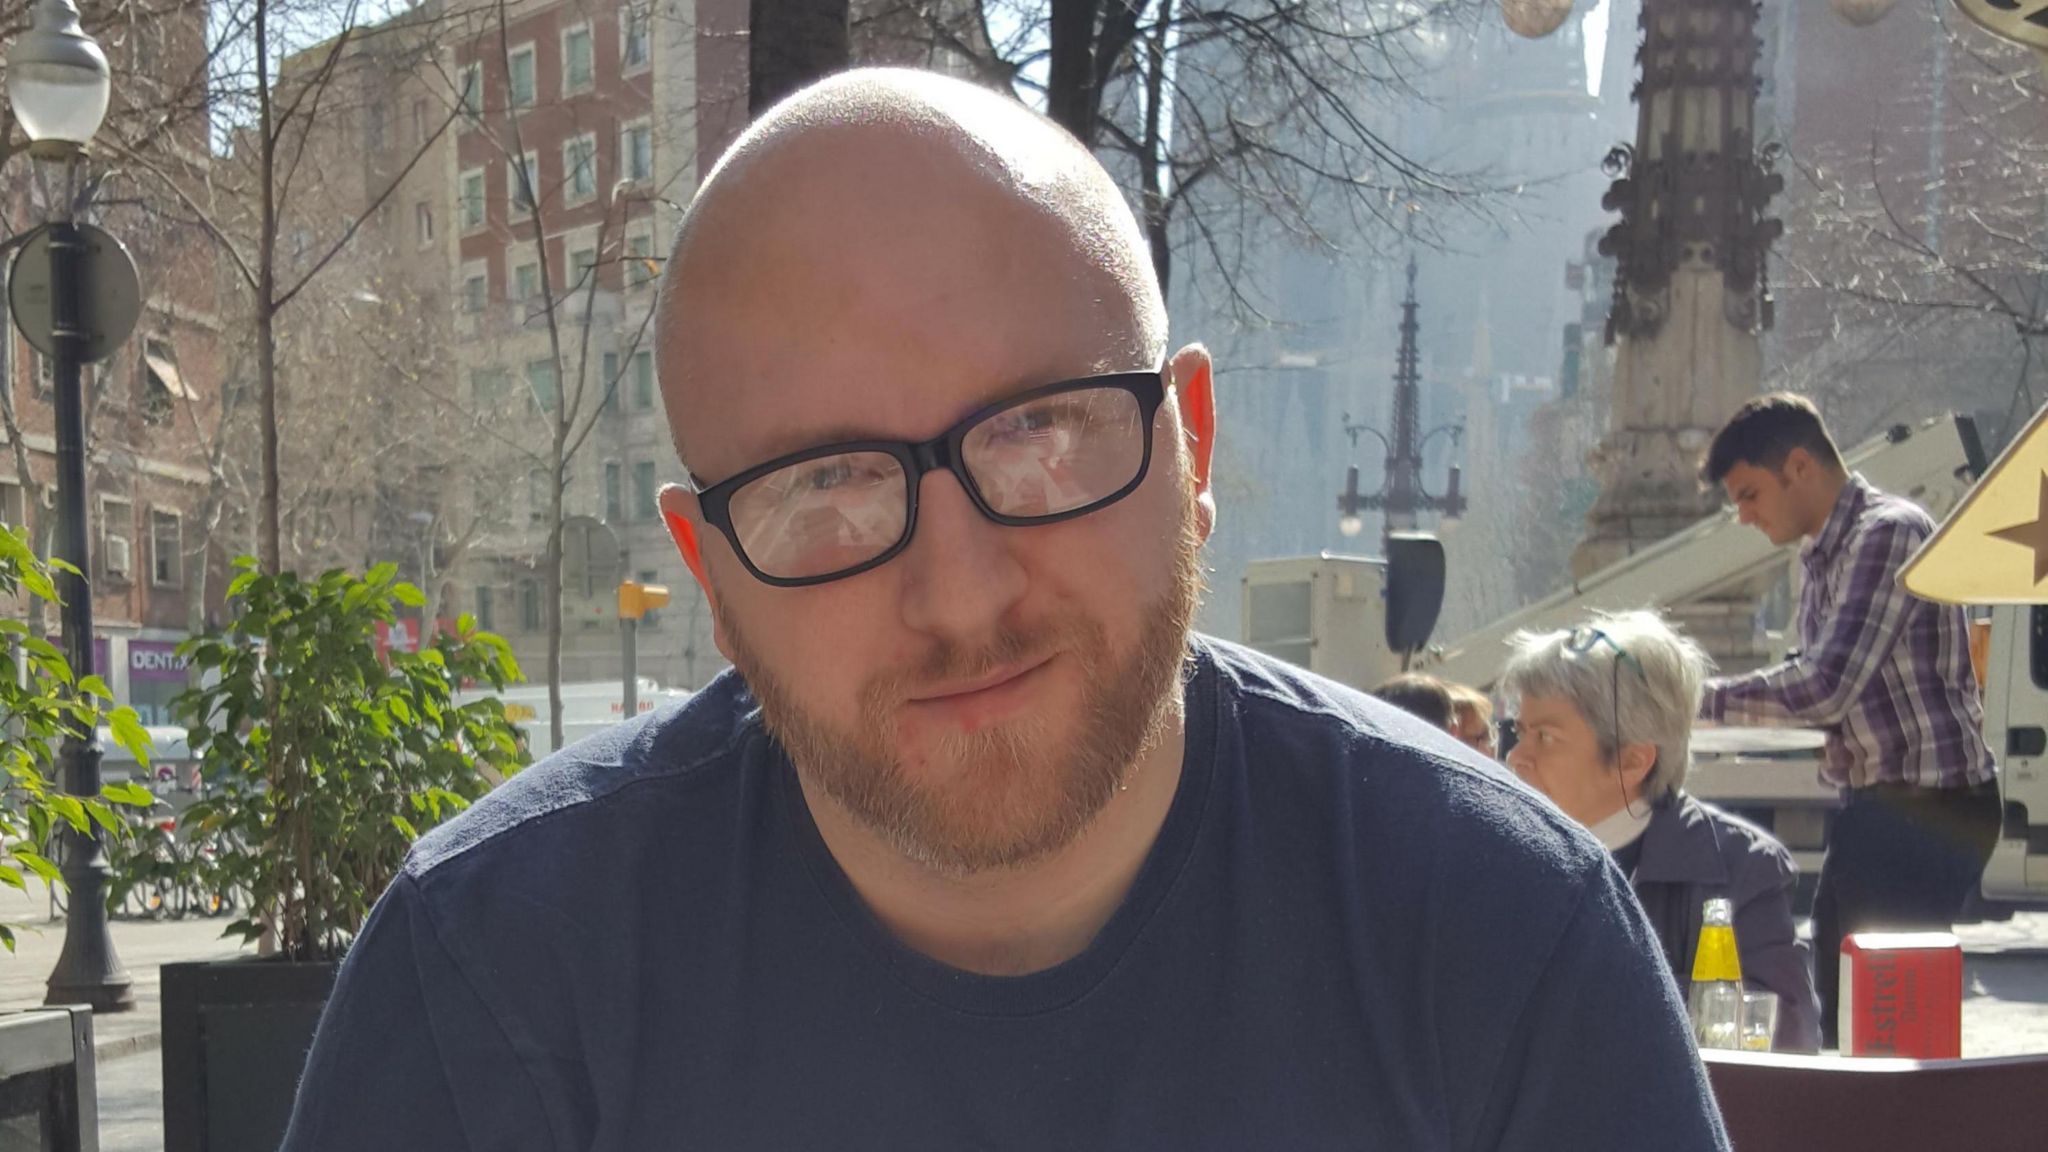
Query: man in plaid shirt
[1887, 675]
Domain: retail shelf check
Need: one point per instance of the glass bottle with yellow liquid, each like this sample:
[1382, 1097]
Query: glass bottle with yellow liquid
[1717, 979]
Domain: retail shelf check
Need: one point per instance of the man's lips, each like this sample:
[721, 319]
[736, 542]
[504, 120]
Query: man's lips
[959, 690]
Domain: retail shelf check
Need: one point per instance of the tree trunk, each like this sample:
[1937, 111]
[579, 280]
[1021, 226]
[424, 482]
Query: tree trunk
[1070, 95]
[553, 580]
[1155, 205]
[32, 517]
[790, 44]
[269, 550]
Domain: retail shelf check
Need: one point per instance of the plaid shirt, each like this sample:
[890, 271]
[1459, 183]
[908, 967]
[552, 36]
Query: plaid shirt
[1887, 674]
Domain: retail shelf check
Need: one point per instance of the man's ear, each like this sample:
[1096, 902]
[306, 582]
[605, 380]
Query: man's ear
[680, 511]
[1799, 466]
[1194, 391]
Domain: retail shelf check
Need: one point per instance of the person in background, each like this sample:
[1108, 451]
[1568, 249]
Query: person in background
[1604, 714]
[1421, 696]
[1885, 674]
[1472, 719]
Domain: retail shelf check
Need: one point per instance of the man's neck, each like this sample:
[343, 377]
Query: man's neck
[1827, 493]
[1013, 921]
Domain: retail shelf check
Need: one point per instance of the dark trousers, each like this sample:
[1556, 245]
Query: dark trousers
[1899, 859]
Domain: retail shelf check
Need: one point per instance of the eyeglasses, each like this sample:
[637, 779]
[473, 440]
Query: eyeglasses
[1043, 456]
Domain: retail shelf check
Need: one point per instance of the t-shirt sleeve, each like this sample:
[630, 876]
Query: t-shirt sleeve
[407, 1054]
[1601, 1058]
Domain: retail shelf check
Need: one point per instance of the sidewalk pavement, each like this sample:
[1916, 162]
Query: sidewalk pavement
[141, 945]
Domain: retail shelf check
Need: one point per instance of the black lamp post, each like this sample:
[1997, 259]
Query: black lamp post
[1401, 494]
[58, 84]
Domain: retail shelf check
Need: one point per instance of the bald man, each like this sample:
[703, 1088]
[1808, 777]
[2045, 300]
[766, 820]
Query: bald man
[979, 847]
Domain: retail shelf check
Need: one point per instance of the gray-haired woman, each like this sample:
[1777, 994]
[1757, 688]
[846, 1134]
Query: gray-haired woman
[1604, 722]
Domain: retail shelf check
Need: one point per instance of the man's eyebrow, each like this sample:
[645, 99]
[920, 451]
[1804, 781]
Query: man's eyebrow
[791, 442]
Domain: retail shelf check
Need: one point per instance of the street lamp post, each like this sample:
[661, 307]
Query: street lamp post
[58, 85]
[1401, 494]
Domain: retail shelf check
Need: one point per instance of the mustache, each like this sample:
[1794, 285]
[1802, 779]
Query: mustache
[952, 662]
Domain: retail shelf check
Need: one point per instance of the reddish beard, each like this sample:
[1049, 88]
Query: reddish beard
[1008, 794]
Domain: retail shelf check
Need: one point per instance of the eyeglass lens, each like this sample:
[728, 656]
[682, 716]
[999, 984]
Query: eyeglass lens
[1041, 458]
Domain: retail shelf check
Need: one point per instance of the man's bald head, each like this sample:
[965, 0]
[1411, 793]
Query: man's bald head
[883, 213]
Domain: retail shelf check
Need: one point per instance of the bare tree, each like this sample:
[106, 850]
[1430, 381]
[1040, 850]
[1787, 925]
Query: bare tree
[1911, 257]
[790, 43]
[573, 388]
[1217, 116]
[284, 74]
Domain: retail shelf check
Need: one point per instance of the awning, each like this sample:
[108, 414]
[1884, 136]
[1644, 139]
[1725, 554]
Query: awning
[164, 374]
[1993, 549]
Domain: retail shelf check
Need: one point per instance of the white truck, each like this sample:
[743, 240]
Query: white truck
[587, 708]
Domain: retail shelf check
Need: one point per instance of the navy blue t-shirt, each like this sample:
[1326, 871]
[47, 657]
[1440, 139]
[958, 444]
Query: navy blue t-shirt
[1347, 935]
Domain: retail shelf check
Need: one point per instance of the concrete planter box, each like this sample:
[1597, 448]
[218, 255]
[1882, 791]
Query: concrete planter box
[236, 1034]
[49, 1092]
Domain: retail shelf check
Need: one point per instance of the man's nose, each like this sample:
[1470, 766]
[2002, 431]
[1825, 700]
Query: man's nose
[960, 577]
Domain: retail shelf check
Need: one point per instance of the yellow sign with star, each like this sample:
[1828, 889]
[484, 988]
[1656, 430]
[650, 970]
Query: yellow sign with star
[1993, 549]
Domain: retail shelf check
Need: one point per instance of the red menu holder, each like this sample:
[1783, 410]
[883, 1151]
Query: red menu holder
[1902, 995]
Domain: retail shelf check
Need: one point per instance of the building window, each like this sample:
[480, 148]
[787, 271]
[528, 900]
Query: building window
[610, 404]
[636, 152]
[643, 379]
[117, 531]
[526, 281]
[634, 43]
[472, 183]
[537, 495]
[545, 383]
[423, 223]
[640, 266]
[166, 550]
[373, 128]
[162, 382]
[476, 287]
[579, 167]
[483, 609]
[13, 507]
[582, 268]
[530, 617]
[419, 122]
[579, 63]
[469, 91]
[520, 75]
[46, 377]
[614, 493]
[644, 506]
[524, 181]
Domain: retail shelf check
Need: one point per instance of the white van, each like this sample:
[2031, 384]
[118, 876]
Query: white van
[588, 707]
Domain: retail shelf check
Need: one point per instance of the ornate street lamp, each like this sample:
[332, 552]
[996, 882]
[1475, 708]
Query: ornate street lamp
[58, 85]
[1401, 494]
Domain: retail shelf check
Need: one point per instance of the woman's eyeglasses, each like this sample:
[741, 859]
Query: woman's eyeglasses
[1583, 640]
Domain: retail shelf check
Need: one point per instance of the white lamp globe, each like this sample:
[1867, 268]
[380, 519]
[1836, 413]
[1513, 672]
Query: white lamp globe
[1535, 19]
[57, 81]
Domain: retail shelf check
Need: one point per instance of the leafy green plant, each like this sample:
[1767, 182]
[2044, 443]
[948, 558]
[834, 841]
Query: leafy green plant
[40, 699]
[321, 761]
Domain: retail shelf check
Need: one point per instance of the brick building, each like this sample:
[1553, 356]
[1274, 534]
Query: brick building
[149, 476]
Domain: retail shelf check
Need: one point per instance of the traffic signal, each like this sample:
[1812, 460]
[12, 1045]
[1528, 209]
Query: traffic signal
[636, 600]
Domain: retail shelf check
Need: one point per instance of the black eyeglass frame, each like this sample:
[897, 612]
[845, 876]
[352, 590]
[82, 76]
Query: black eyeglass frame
[943, 451]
